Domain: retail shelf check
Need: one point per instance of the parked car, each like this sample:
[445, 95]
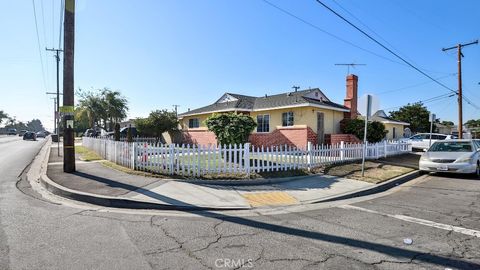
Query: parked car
[12, 131]
[421, 141]
[123, 131]
[21, 132]
[30, 136]
[453, 156]
[42, 134]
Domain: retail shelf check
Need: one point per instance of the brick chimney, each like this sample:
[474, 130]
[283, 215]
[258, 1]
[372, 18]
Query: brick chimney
[351, 97]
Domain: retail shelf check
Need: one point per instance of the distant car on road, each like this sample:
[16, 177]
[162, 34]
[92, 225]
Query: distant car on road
[452, 156]
[30, 136]
[21, 132]
[42, 134]
[421, 141]
[12, 131]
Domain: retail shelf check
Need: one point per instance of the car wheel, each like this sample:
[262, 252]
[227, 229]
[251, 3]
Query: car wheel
[422, 172]
[477, 171]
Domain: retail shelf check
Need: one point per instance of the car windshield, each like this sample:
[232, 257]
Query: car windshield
[451, 147]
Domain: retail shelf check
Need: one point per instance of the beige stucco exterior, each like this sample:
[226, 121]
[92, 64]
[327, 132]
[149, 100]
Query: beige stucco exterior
[398, 131]
[303, 117]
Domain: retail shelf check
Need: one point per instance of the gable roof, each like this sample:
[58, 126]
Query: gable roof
[382, 117]
[241, 103]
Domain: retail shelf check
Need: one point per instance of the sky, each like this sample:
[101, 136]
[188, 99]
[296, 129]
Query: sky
[159, 53]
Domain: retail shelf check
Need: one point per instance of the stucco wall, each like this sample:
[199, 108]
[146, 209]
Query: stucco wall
[304, 117]
[398, 131]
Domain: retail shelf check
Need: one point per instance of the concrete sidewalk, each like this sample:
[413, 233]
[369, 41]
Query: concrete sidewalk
[95, 183]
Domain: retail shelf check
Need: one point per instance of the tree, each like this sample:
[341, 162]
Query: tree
[447, 123]
[103, 107]
[35, 125]
[3, 115]
[375, 130]
[156, 123]
[416, 114]
[231, 128]
[472, 123]
[115, 106]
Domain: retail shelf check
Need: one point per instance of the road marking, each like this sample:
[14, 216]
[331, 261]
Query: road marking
[418, 221]
[269, 198]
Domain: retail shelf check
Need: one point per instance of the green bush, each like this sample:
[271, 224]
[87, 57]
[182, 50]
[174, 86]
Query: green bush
[231, 128]
[375, 130]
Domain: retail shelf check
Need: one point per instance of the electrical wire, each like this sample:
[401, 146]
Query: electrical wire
[385, 47]
[329, 34]
[415, 85]
[428, 100]
[38, 43]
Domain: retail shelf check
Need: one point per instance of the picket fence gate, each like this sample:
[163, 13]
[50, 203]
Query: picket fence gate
[193, 160]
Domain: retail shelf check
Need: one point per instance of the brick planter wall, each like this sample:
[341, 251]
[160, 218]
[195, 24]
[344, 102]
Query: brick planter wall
[199, 137]
[337, 138]
[284, 136]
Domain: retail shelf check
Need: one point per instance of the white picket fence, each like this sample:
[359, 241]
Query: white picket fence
[193, 160]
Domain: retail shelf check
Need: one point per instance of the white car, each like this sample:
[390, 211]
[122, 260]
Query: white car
[453, 156]
[421, 141]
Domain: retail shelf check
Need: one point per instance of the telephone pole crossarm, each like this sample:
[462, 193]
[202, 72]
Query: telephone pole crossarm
[459, 92]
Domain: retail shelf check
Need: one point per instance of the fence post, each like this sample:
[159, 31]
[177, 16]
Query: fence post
[342, 151]
[309, 156]
[246, 158]
[171, 154]
[133, 154]
[385, 145]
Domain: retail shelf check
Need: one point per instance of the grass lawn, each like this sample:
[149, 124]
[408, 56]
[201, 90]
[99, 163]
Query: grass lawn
[86, 154]
[375, 172]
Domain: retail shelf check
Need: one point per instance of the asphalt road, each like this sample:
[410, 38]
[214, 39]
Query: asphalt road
[358, 234]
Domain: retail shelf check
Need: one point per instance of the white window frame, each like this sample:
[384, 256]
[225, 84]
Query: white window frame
[263, 116]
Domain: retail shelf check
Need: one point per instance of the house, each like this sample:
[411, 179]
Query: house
[444, 129]
[394, 127]
[293, 118]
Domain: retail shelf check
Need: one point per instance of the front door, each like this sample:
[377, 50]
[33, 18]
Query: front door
[320, 128]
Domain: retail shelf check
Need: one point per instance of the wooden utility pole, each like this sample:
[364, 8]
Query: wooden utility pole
[57, 117]
[176, 109]
[68, 87]
[460, 96]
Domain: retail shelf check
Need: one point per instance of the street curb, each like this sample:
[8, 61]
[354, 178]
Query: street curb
[372, 190]
[108, 201]
[244, 182]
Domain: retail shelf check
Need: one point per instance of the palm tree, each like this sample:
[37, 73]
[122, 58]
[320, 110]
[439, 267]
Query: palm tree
[115, 106]
[92, 104]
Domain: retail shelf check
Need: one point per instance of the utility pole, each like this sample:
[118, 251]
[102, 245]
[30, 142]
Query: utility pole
[176, 109]
[460, 103]
[68, 92]
[54, 113]
[350, 65]
[57, 124]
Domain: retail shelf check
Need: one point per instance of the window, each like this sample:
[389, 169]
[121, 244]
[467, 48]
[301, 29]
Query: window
[263, 123]
[287, 119]
[394, 135]
[193, 123]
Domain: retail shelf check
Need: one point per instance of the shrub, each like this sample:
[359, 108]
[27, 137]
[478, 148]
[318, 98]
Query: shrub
[375, 130]
[231, 128]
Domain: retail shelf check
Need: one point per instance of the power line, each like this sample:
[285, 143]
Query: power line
[38, 43]
[415, 85]
[328, 33]
[385, 47]
[428, 100]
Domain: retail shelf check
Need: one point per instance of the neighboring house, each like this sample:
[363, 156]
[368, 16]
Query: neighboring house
[444, 129]
[128, 123]
[394, 127]
[292, 118]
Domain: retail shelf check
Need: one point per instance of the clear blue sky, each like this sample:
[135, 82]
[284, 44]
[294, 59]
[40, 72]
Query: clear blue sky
[189, 52]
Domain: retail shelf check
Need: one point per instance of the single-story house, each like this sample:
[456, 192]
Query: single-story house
[394, 127]
[292, 118]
